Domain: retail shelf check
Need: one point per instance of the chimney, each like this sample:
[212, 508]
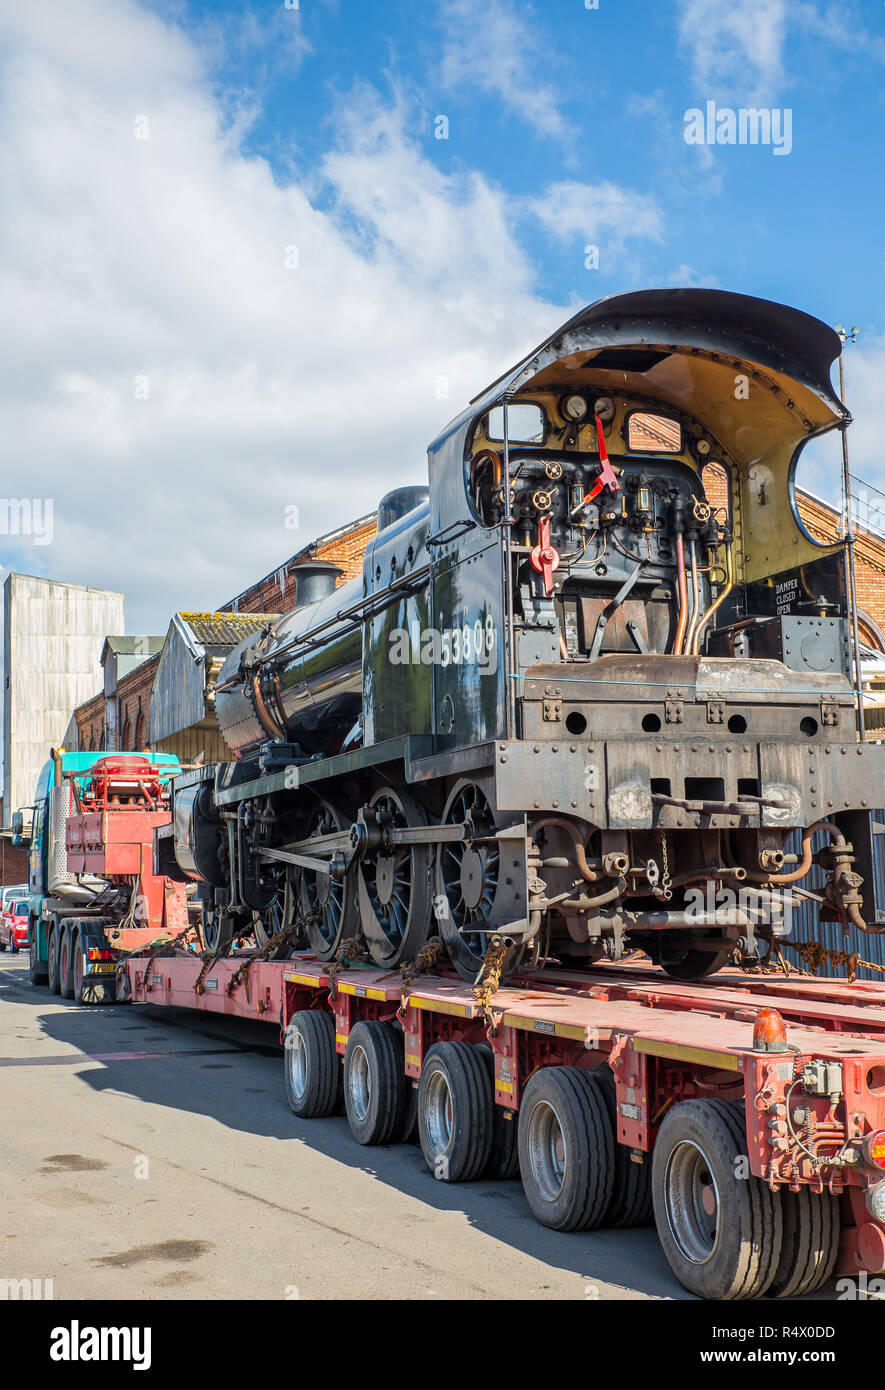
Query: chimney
[314, 579]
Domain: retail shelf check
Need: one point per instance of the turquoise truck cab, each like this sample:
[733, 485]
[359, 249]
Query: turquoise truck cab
[54, 893]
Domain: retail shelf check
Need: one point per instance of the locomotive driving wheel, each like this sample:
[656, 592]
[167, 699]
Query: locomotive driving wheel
[397, 880]
[467, 874]
[328, 904]
[281, 913]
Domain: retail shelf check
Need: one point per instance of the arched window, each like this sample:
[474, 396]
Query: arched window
[139, 728]
[127, 733]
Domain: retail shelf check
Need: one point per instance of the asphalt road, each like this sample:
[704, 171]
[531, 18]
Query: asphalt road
[150, 1153]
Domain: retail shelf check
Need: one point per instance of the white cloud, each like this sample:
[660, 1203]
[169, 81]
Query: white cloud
[164, 259]
[735, 48]
[495, 47]
[602, 215]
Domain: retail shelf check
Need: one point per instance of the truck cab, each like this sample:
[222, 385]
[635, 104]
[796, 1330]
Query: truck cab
[56, 894]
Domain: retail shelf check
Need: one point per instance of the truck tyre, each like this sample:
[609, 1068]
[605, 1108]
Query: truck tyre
[566, 1149]
[455, 1112]
[504, 1157]
[810, 1243]
[375, 1084]
[88, 990]
[66, 962]
[36, 968]
[54, 932]
[630, 1203]
[721, 1228]
[409, 1132]
[312, 1068]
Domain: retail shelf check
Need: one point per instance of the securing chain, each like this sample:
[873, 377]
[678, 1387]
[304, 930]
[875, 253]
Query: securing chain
[425, 960]
[666, 890]
[485, 986]
[349, 953]
[273, 943]
[815, 954]
[776, 964]
[162, 943]
[209, 961]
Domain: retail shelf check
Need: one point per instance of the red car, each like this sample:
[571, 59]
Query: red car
[14, 926]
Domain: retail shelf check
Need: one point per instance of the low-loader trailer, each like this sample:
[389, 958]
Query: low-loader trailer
[744, 1114]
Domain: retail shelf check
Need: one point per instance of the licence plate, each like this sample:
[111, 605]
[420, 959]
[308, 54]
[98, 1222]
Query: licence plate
[102, 967]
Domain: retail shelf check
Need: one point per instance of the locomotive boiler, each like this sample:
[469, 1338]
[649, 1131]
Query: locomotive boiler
[592, 678]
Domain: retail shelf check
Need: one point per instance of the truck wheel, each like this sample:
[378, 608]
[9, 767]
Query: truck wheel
[313, 1071]
[54, 981]
[88, 990]
[504, 1157]
[455, 1112]
[36, 968]
[409, 1132]
[721, 1231]
[375, 1084]
[630, 1203]
[66, 963]
[810, 1244]
[566, 1150]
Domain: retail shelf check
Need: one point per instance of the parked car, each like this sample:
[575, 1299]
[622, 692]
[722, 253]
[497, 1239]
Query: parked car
[10, 891]
[14, 925]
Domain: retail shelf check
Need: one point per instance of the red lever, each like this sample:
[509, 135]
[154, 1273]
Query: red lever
[544, 556]
[606, 475]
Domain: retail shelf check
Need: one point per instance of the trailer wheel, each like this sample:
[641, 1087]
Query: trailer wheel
[566, 1151]
[504, 1157]
[630, 1203]
[409, 1131]
[312, 1067]
[375, 1084]
[721, 1228]
[810, 1244]
[455, 1112]
[66, 964]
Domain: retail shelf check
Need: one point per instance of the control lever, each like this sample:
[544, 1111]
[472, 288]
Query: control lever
[606, 477]
[544, 556]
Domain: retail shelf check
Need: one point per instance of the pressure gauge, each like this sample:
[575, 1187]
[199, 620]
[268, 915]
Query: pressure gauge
[604, 407]
[703, 447]
[574, 407]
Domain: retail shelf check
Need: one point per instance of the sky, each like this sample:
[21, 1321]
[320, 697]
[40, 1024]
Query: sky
[253, 257]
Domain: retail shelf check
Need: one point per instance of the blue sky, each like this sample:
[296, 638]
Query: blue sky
[616, 82]
[245, 284]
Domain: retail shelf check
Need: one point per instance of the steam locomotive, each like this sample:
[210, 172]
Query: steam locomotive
[592, 677]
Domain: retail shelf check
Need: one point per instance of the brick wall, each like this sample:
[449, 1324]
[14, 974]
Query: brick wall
[275, 593]
[134, 695]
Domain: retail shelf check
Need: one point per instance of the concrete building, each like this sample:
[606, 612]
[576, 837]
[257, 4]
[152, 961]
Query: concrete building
[53, 635]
